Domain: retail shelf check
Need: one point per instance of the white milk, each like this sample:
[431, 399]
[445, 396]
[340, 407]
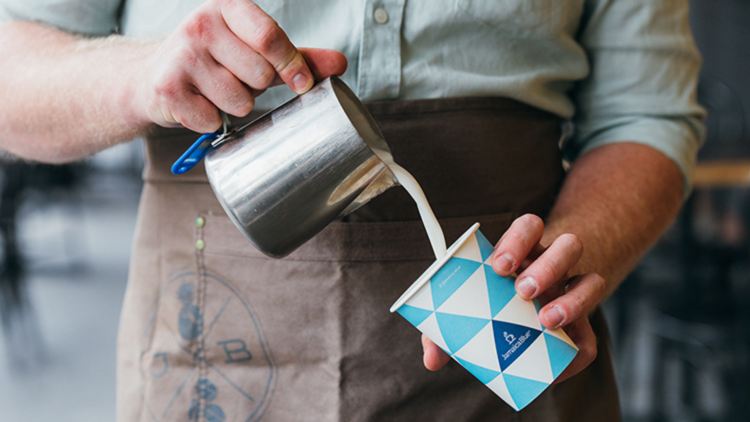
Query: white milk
[431, 225]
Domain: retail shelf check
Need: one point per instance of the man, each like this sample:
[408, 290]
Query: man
[212, 330]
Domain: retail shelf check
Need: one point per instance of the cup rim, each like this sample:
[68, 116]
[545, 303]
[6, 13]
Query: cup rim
[432, 269]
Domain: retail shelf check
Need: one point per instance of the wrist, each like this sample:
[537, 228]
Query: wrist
[130, 95]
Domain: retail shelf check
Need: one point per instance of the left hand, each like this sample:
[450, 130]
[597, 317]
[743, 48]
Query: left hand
[544, 273]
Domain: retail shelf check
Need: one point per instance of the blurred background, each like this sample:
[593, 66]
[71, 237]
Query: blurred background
[65, 237]
[679, 323]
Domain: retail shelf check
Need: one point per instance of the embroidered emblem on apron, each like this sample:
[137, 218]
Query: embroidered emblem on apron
[222, 339]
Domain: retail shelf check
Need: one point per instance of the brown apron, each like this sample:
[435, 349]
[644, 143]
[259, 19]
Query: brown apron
[213, 330]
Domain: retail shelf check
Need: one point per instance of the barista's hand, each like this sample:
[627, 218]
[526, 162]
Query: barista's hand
[544, 272]
[221, 57]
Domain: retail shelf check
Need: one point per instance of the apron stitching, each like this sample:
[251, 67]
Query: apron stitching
[145, 383]
[200, 355]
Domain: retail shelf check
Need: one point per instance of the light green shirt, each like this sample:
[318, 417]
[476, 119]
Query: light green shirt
[621, 70]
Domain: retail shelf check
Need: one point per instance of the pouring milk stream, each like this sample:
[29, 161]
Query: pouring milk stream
[430, 222]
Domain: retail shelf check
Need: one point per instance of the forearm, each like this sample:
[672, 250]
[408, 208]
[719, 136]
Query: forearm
[618, 199]
[65, 97]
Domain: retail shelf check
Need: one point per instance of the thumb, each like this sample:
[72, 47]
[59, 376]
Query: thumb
[434, 357]
[322, 62]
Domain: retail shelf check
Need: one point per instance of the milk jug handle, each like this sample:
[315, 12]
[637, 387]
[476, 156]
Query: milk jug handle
[195, 153]
[202, 146]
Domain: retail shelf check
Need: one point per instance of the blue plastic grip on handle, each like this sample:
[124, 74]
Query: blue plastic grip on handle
[195, 153]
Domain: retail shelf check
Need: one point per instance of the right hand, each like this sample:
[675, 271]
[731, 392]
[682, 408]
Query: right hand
[222, 56]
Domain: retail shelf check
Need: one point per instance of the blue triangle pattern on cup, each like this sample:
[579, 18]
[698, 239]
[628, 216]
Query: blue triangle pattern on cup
[414, 315]
[497, 339]
[450, 277]
[485, 247]
[483, 374]
[537, 305]
[457, 330]
[522, 390]
[511, 340]
[560, 354]
[500, 290]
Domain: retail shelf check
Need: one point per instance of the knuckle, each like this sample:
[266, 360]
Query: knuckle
[169, 86]
[229, 95]
[187, 57]
[199, 26]
[247, 106]
[577, 306]
[516, 240]
[600, 285]
[205, 119]
[264, 75]
[222, 94]
[267, 36]
[572, 242]
[545, 271]
[243, 105]
[534, 222]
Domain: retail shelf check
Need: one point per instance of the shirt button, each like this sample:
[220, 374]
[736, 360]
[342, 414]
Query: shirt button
[381, 16]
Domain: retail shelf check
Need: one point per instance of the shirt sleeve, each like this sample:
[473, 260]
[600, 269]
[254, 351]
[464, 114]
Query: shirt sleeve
[642, 84]
[84, 17]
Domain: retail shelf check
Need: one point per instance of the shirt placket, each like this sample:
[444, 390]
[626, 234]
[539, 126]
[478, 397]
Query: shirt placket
[380, 50]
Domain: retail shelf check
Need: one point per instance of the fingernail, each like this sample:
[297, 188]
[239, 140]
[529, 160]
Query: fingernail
[504, 263]
[301, 83]
[527, 287]
[554, 317]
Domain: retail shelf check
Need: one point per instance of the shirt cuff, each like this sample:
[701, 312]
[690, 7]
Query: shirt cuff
[92, 18]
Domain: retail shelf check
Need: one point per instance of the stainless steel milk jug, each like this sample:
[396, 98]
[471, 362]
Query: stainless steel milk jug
[284, 177]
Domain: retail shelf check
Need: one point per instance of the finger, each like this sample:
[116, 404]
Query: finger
[550, 267]
[259, 31]
[434, 357]
[241, 60]
[223, 89]
[522, 236]
[193, 111]
[585, 293]
[206, 29]
[323, 63]
[583, 336]
[535, 253]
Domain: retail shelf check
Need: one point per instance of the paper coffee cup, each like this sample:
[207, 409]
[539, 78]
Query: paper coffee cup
[475, 316]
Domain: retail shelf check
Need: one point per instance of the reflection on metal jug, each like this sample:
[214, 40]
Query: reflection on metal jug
[287, 175]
